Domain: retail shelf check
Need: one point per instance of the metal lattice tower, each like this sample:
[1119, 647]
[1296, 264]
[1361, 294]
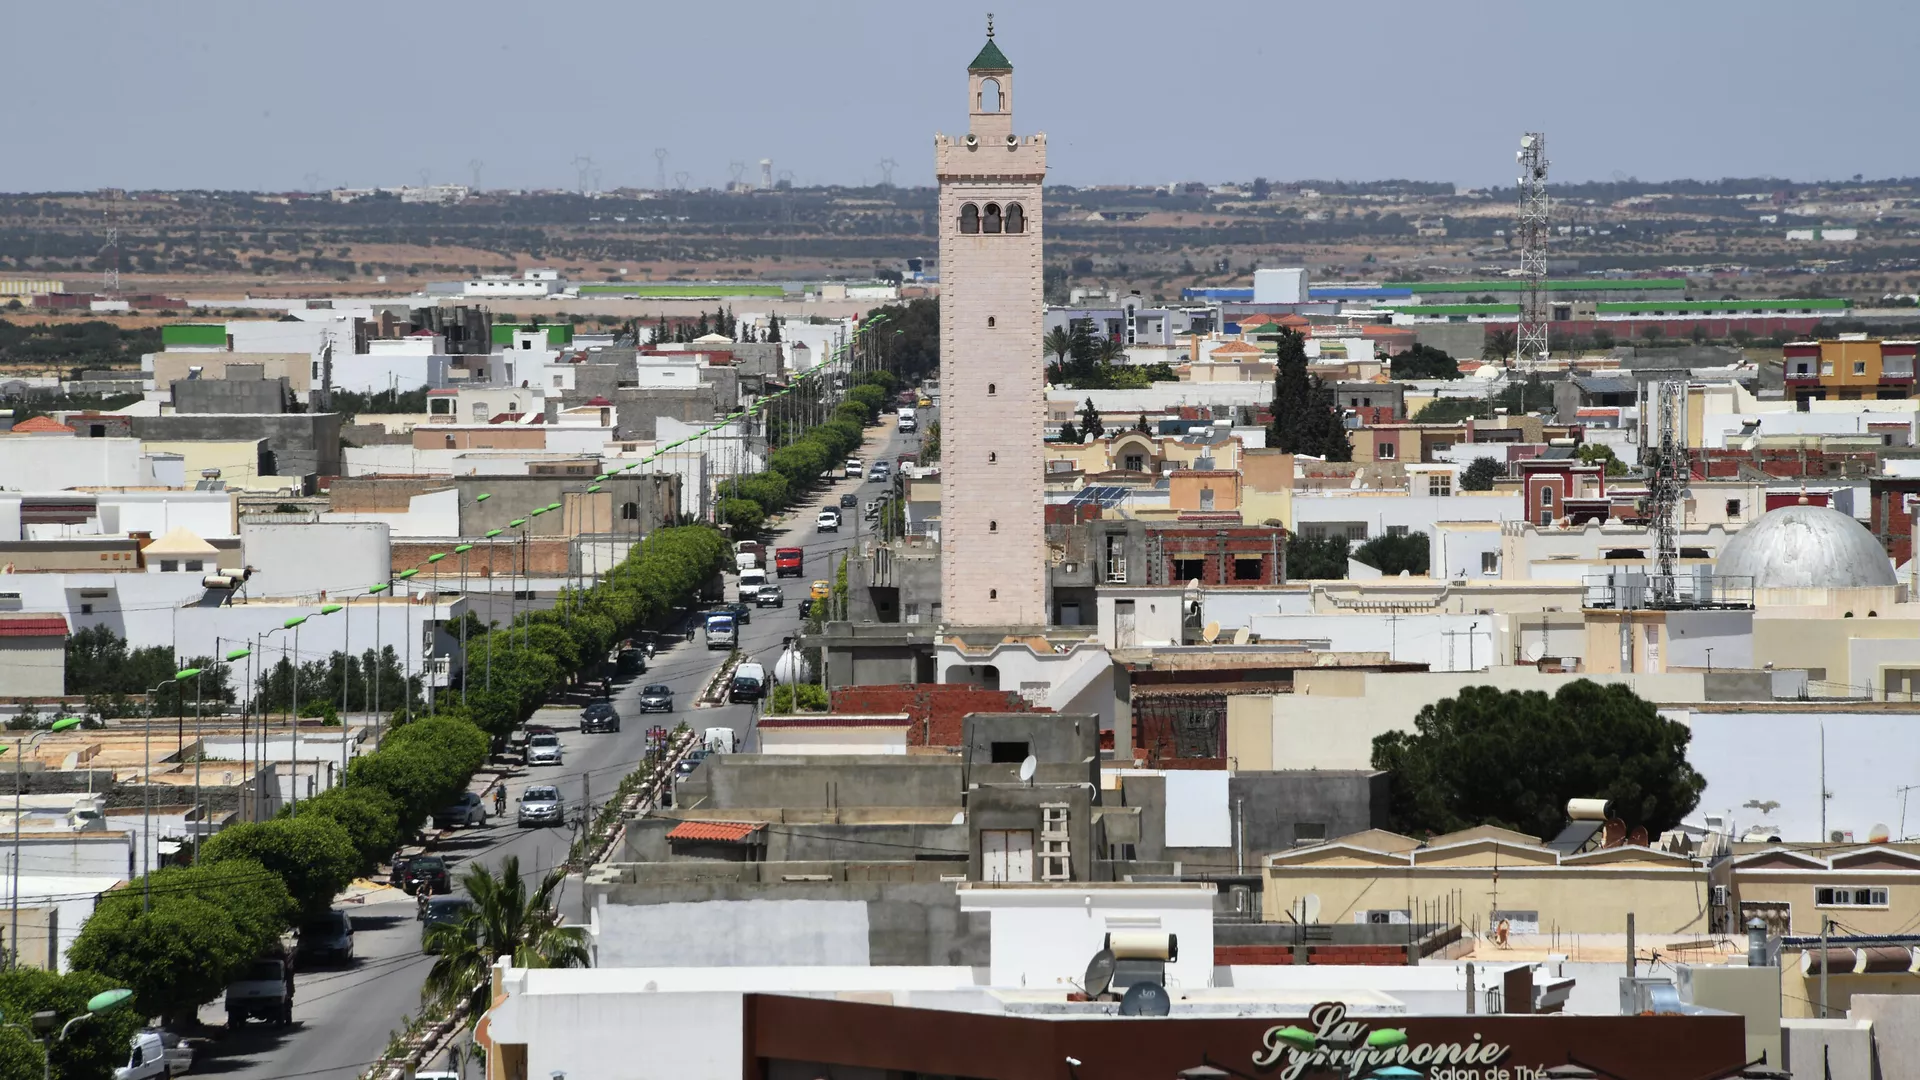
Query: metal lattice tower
[1663, 487]
[583, 166]
[887, 165]
[1530, 339]
[110, 275]
[660, 156]
[475, 166]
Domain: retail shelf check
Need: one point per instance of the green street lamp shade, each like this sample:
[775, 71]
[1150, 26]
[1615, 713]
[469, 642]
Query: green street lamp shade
[328, 609]
[538, 512]
[239, 654]
[463, 549]
[1386, 1039]
[378, 588]
[1298, 1038]
[491, 533]
[293, 622]
[182, 676]
[108, 1000]
[553, 506]
[591, 488]
[65, 723]
[483, 496]
[602, 478]
[516, 523]
[405, 574]
[436, 556]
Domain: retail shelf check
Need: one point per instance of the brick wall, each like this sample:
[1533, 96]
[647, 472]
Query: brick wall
[545, 556]
[937, 709]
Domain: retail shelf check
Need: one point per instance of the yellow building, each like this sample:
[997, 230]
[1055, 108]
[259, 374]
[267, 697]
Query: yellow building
[1853, 367]
[1485, 876]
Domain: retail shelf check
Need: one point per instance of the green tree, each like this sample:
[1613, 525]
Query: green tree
[370, 817]
[930, 444]
[1450, 410]
[773, 329]
[207, 924]
[1601, 454]
[506, 920]
[1090, 423]
[1060, 344]
[1140, 425]
[91, 1049]
[1513, 758]
[745, 515]
[1393, 554]
[1306, 419]
[1480, 474]
[312, 854]
[1069, 433]
[1316, 558]
[1424, 362]
[1107, 352]
[20, 1056]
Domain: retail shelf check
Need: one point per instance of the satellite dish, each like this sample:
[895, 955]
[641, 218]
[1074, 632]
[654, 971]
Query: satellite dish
[1146, 999]
[1534, 652]
[1879, 834]
[1242, 636]
[1211, 632]
[1027, 769]
[1099, 973]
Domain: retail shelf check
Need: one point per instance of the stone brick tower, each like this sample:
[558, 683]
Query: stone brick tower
[992, 398]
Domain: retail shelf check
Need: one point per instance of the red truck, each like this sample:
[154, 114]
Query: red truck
[788, 562]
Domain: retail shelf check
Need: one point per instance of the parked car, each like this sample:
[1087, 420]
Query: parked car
[631, 661]
[398, 877]
[326, 938]
[155, 1053]
[541, 805]
[469, 809]
[599, 717]
[428, 872]
[656, 698]
[264, 991]
[544, 750]
[849, 501]
[441, 909]
[770, 596]
[828, 520]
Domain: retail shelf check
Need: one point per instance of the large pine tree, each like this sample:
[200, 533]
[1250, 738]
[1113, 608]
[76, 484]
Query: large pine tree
[1306, 419]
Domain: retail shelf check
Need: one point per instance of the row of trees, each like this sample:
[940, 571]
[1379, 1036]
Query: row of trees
[793, 469]
[177, 936]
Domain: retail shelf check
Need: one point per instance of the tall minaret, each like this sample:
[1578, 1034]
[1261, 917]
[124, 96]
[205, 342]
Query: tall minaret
[992, 399]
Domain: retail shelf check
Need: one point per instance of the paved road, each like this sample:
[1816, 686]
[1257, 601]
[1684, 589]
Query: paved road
[342, 1017]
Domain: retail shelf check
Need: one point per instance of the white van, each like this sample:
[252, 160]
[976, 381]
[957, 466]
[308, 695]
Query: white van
[750, 583]
[749, 682]
[854, 467]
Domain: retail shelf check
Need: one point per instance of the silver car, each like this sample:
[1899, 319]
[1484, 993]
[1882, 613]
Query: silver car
[542, 805]
[544, 750]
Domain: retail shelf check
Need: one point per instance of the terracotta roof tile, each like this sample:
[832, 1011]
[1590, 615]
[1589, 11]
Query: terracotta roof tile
[726, 832]
[42, 424]
[28, 624]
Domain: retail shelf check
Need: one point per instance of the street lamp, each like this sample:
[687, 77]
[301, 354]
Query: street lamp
[427, 663]
[65, 723]
[345, 654]
[379, 657]
[246, 743]
[293, 709]
[492, 568]
[461, 550]
[102, 1002]
[406, 648]
[146, 803]
[200, 749]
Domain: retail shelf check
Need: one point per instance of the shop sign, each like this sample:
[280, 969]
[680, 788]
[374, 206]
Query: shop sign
[1342, 1047]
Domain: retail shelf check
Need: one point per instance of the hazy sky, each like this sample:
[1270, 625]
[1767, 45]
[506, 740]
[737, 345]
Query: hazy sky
[270, 93]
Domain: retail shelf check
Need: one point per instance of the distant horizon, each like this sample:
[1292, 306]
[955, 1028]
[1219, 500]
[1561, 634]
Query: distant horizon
[221, 95]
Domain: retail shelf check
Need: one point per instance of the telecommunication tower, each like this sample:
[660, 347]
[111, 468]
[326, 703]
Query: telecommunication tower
[1530, 340]
[1663, 488]
[110, 276]
[660, 156]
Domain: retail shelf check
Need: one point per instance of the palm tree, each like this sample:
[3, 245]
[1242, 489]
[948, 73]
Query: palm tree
[1499, 345]
[1108, 351]
[503, 922]
[1059, 343]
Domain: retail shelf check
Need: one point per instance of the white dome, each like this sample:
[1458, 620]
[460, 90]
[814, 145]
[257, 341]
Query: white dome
[1806, 547]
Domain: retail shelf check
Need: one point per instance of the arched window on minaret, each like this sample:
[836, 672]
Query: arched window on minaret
[969, 218]
[991, 224]
[1016, 218]
[990, 98]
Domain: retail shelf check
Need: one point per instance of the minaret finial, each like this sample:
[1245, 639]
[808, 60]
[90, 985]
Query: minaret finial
[989, 26]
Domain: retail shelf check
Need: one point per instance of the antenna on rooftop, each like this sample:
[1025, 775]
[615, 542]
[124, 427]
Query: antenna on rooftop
[1028, 767]
[1146, 999]
[1211, 633]
[1530, 337]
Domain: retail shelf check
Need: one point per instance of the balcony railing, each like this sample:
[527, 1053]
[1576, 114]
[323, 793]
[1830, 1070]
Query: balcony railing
[1632, 591]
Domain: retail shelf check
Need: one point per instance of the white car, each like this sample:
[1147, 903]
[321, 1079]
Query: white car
[827, 521]
[544, 750]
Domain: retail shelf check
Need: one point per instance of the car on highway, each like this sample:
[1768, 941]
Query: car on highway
[880, 471]
[770, 596]
[599, 717]
[545, 750]
[428, 873]
[325, 938]
[849, 501]
[468, 809]
[820, 590]
[541, 805]
[827, 520]
[440, 911]
[656, 698]
[742, 613]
